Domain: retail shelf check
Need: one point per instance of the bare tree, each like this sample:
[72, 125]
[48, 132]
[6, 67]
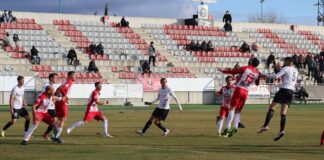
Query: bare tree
[268, 17]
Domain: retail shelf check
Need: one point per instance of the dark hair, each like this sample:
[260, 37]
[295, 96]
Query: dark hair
[19, 78]
[289, 59]
[162, 79]
[71, 73]
[152, 42]
[52, 75]
[97, 83]
[228, 77]
[48, 88]
[255, 62]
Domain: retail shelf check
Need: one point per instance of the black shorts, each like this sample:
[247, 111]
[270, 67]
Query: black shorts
[161, 114]
[51, 112]
[284, 96]
[19, 113]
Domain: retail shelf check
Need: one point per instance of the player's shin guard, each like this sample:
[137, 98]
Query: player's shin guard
[59, 131]
[8, 125]
[220, 125]
[282, 122]
[230, 119]
[322, 139]
[147, 126]
[237, 120]
[29, 133]
[161, 127]
[268, 117]
[105, 126]
[27, 125]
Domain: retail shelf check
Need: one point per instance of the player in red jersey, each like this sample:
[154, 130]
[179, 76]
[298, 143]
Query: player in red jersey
[226, 92]
[322, 139]
[93, 112]
[247, 76]
[40, 111]
[61, 107]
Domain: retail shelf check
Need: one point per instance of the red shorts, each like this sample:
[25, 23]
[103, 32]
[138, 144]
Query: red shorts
[223, 112]
[45, 117]
[88, 116]
[239, 97]
[61, 109]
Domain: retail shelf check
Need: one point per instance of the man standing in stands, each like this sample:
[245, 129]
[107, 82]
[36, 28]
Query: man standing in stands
[271, 60]
[152, 55]
[100, 49]
[123, 22]
[92, 48]
[227, 18]
[34, 56]
[72, 56]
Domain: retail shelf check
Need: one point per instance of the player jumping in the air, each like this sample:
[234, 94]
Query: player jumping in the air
[40, 112]
[247, 76]
[161, 112]
[18, 106]
[284, 96]
[226, 93]
[93, 112]
[61, 107]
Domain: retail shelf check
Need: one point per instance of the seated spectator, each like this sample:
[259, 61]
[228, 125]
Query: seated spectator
[100, 49]
[11, 17]
[198, 46]
[245, 48]
[195, 46]
[123, 22]
[92, 67]
[72, 56]
[146, 68]
[5, 17]
[250, 60]
[191, 45]
[35, 59]
[203, 46]
[237, 66]
[92, 48]
[227, 18]
[210, 46]
[270, 60]
[321, 64]
[255, 47]
[15, 38]
[6, 40]
[228, 27]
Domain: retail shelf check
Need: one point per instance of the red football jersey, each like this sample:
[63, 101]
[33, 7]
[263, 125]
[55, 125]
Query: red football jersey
[43, 101]
[92, 105]
[247, 75]
[63, 90]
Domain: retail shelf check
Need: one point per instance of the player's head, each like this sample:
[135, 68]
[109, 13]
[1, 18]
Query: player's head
[229, 80]
[50, 90]
[163, 82]
[52, 78]
[71, 75]
[20, 80]
[254, 62]
[98, 86]
[288, 61]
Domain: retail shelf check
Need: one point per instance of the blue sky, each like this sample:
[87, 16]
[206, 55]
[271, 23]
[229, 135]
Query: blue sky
[292, 11]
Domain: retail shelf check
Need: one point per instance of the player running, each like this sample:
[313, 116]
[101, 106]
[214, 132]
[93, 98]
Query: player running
[93, 112]
[161, 112]
[226, 92]
[284, 96]
[247, 76]
[61, 107]
[17, 105]
[40, 112]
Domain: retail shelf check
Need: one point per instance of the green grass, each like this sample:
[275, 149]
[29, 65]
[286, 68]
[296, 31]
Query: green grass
[192, 136]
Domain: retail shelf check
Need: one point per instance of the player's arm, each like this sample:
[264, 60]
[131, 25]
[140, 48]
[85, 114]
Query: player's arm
[232, 71]
[219, 93]
[278, 75]
[34, 108]
[176, 100]
[24, 102]
[12, 97]
[154, 101]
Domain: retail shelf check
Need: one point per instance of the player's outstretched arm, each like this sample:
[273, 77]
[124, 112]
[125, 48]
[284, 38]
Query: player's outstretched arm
[232, 71]
[154, 101]
[11, 103]
[176, 100]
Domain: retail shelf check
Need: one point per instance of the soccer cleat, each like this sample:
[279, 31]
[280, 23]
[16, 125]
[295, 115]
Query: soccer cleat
[108, 135]
[47, 137]
[322, 139]
[225, 133]
[263, 129]
[58, 140]
[139, 133]
[166, 132]
[2, 134]
[24, 143]
[219, 134]
[280, 135]
[232, 132]
[241, 125]
[68, 130]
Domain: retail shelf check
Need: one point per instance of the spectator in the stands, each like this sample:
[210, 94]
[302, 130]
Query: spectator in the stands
[316, 74]
[245, 48]
[15, 38]
[197, 46]
[228, 27]
[6, 40]
[237, 66]
[92, 67]
[11, 17]
[210, 46]
[92, 48]
[321, 64]
[191, 45]
[5, 17]
[100, 49]
[270, 60]
[227, 18]
[123, 22]
[295, 60]
[72, 56]
[301, 61]
[146, 68]
[310, 65]
[204, 46]
[152, 54]
[250, 60]
[322, 52]
[35, 59]
[277, 68]
[255, 46]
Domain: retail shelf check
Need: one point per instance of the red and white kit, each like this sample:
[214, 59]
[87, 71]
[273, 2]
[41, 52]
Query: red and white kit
[92, 111]
[61, 107]
[43, 101]
[226, 93]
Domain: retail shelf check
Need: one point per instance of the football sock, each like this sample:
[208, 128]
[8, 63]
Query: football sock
[230, 119]
[282, 122]
[76, 125]
[220, 125]
[105, 126]
[268, 117]
[147, 125]
[26, 125]
[30, 132]
[237, 120]
[49, 129]
[59, 131]
[161, 127]
[9, 124]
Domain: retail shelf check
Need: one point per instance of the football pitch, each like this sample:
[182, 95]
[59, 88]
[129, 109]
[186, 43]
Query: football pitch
[192, 137]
